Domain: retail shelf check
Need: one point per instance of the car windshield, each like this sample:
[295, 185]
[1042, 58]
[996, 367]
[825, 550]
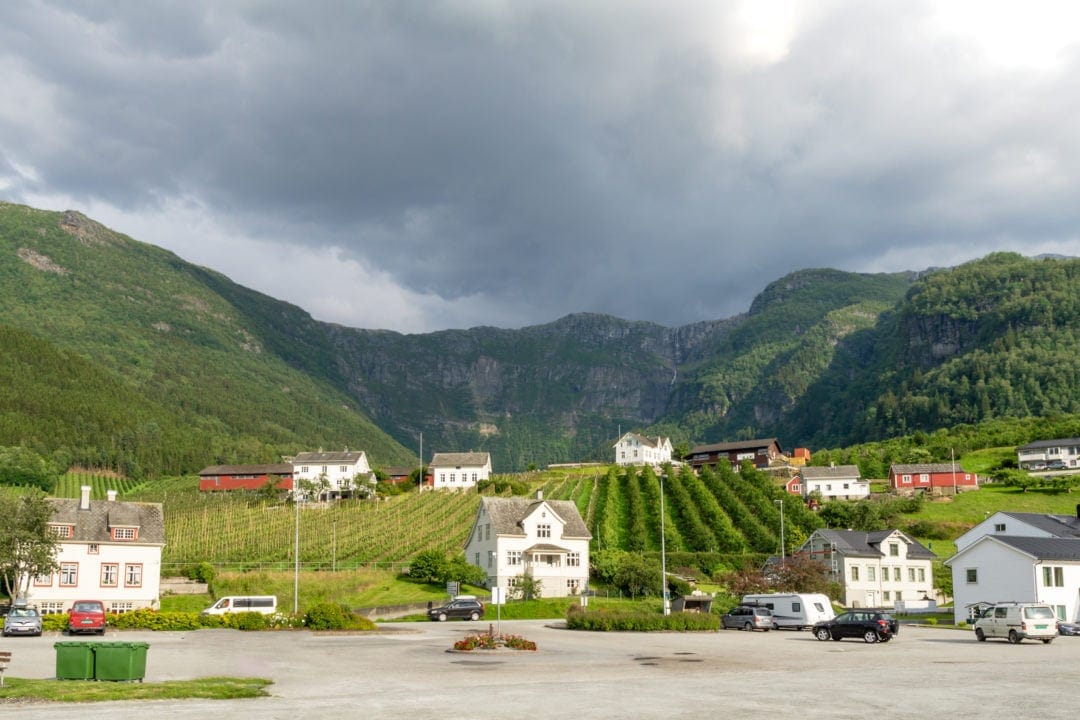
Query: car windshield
[86, 607]
[24, 612]
[1038, 613]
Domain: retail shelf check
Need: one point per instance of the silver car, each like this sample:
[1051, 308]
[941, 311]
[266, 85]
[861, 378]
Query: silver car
[749, 617]
[22, 620]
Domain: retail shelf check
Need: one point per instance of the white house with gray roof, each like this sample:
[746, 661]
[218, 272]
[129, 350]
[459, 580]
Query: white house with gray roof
[1039, 454]
[836, 482]
[108, 550]
[876, 569]
[545, 539]
[459, 471]
[334, 474]
[635, 449]
[1025, 557]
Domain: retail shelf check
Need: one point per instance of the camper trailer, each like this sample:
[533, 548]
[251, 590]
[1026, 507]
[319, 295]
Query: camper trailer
[794, 610]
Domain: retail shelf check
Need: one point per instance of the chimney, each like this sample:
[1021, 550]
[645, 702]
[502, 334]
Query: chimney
[84, 497]
[540, 495]
[111, 494]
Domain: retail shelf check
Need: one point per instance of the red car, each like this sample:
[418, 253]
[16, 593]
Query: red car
[87, 616]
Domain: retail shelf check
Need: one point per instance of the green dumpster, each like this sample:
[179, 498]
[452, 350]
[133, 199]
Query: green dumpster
[120, 660]
[74, 660]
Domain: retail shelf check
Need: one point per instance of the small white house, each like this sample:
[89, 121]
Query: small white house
[459, 471]
[1019, 524]
[108, 551]
[1040, 454]
[836, 482]
[544, 539]
[876, 569]
[635, 449]
[333, 474]
[1002, 568]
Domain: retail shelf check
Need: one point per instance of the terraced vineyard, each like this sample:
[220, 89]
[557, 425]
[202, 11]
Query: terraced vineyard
[719, 511]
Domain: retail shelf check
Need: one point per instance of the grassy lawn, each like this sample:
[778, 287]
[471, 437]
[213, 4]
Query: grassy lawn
[214, 688]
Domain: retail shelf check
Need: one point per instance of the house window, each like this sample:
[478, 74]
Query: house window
[543, 531]
[899, 595]
[906, 479]
[924, 479]
[922, 575]
[513, 557]
[474, 477]
[886, 596]
[855, 573]
[573, 559]
[476, 559]
[123, 533]
[92, 549]
[911, 575]
[133, 575]
[972, 576]
[343, 469]
[487, 531]
[304, 469]
[69, 574]
[871, 573]
[491, 557]
[896, 574]
[43, 580]
[1053, 576]
[63, 531]
[110, 573]
[51, 608]
[121, 607]
[511, 583]
[894, 549]
[573, 585]
[999, 527]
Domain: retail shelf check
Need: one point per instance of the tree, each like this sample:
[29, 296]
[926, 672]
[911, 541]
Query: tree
[527, 587]
[429, 566]
[27, 543]
[20, 466]
[636, 576]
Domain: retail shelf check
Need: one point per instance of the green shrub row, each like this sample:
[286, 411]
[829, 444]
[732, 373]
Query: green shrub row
[324, 616]
[607, 621]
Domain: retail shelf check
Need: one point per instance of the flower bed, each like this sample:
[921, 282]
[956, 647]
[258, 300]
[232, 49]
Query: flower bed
[493, 641]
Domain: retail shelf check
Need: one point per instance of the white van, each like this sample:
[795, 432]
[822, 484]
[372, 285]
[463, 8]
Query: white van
[265, 604]
[794, 610]
[1016, 621]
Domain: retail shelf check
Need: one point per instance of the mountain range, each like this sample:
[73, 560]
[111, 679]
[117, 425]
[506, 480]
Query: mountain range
[118, 354]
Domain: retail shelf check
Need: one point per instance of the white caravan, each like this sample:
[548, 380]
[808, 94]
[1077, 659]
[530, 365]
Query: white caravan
[795, 610]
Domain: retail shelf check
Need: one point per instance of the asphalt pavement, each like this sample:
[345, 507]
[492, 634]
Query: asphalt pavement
[406, 671]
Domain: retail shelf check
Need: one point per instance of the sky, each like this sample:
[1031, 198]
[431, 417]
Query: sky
[417, 165]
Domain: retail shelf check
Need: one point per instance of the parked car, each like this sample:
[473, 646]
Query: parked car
[870, 625]
[87, 616]
[1068, 628]
[749, 617]
[1056, 465]
[22, 619]
[466, 608]
[1017, 621]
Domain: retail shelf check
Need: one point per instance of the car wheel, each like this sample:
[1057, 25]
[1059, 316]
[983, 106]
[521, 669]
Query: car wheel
[870, 636]
[442, 617]
[1047, 641]
[980, 635]
[1013, 637]
[475, 616]
[822, 634]
[748, 627]
[101, 632]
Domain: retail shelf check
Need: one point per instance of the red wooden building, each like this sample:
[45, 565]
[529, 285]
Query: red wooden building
[935, 478]
[244, 477]
[759, 452]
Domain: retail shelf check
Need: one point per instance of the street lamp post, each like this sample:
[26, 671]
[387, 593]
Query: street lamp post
[296, 557]
[783, 549]
[663, 552]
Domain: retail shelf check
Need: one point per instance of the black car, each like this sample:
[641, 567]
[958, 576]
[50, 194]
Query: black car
[460, 607]
[1068, 628]
[870, 625]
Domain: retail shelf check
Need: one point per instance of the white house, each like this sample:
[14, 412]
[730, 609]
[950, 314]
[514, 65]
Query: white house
[108, 551]
[1040, 454]
[545, 539]
[635, 449]
[334, 474]
[459, 471]
[1023, 525]
[1000, 568]
[876, 569]
[836, 482]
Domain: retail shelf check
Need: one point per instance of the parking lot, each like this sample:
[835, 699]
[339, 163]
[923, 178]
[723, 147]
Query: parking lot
[406, 672]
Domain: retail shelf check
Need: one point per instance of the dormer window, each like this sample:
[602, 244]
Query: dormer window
[123, 533]
[64, 531]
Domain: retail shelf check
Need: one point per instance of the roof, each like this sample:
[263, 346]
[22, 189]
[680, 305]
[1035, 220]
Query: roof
[926, 468]
[93, 525]
[811, 472]
[348, 457]
[645, 440]
[471, 459]
[856, 543]
[1041, 444]
[738, 445]
[1038, 548]
[507, 515]
[275, 469]
[1062, 526]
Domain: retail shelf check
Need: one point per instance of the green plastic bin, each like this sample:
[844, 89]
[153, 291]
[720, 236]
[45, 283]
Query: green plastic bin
[120, 660]
[74, 660]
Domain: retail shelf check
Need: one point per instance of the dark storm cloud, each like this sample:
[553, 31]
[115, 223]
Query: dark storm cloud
[517, 161]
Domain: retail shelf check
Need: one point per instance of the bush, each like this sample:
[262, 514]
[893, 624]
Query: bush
[326, 616]
[578, 618]
[248, 621]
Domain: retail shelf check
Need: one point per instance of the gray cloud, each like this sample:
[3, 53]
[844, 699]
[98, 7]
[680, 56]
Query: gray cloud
[508, 163]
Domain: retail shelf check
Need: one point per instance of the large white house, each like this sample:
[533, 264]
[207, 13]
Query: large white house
[1032, 557]
[876, 569]
[1040, 454]
[459, 471]
[836, 482]
[544, 539]
[108, 551]
[332, 474]
[635, 449]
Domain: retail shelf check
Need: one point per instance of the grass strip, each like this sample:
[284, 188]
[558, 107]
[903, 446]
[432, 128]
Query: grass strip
[212, 688]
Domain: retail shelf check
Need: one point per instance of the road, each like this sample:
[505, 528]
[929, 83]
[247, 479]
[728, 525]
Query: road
[406, 672]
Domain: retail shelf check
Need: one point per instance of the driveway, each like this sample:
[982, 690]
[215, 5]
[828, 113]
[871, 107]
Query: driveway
[405, 672]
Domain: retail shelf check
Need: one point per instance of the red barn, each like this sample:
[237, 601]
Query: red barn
[244, 477]
[936, 478]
